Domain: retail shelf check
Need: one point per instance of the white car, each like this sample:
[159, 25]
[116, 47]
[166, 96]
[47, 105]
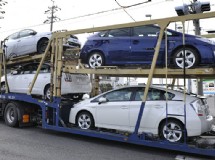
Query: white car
[118, 109]
[29, 41]
[72, 85]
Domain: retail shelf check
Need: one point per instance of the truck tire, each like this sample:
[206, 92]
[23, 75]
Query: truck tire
[11, 115]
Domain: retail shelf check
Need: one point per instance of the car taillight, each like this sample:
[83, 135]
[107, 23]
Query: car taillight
[198, 107]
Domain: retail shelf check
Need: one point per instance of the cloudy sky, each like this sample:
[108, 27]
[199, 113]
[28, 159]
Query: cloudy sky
[22, 14]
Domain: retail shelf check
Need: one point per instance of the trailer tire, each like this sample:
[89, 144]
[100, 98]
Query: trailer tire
[11, 115]
[173, 131]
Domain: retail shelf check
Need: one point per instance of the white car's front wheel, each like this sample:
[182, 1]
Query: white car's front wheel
[47, 92]
[85, 120]
[3, 87]
[42, 44]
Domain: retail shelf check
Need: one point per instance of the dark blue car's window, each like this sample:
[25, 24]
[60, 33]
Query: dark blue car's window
[121, 32]
[146, 31]
[102, 33]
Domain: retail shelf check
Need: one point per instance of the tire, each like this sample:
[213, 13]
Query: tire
[85, 120]
[173, 132]
[191, 58]
[11, 115]
[3, 87]
[47, 93]
[42, 44]
[96, 59]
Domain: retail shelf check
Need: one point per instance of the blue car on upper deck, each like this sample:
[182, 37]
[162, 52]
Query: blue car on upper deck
[136, 46]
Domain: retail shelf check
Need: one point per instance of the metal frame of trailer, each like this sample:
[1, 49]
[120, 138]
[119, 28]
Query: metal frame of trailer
[57, 66]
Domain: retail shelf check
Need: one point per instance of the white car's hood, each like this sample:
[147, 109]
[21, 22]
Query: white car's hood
[82, 103]
[46, 34]
[3, 79]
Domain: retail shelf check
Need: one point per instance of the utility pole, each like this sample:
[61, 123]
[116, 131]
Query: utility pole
[51, 11]
[196, 23]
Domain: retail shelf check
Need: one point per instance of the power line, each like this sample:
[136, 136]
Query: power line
[87, 15]
[125, 11]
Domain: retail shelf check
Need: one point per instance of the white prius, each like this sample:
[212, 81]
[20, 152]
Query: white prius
[19, 80]
[118, 109]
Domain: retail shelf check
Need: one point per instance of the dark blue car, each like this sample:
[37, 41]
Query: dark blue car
[136, 46]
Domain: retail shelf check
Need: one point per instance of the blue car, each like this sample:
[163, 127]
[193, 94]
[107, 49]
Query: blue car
[136, 46]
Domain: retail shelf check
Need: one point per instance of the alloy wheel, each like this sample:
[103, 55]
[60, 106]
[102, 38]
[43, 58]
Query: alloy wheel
[172, 132]
[190, 59]
[84, 121]
[95, 60]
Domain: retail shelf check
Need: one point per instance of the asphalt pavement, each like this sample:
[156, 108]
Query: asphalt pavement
[33, 143]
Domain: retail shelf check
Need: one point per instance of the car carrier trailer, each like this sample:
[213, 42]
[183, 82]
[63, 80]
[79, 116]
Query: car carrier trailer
[25, 109]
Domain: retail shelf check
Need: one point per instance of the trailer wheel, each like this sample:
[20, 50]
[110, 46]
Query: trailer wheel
[172, 131]
[85, 120]
[11, 115]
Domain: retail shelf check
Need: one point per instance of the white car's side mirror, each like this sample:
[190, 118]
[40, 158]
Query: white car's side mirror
[102, 100]
[85, 96]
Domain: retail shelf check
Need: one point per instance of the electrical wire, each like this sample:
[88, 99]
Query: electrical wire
[125, 11]
[87, 15]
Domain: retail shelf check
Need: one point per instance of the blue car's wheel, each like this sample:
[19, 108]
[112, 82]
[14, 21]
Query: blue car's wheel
[191, 58]
[95, 59]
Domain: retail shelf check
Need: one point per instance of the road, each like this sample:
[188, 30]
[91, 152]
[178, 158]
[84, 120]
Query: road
[34, 143]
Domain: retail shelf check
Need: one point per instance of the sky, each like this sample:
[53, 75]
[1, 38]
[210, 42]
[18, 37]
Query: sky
[22, 14]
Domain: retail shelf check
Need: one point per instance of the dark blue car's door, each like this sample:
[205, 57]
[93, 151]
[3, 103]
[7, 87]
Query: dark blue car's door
[119, 47]
[143, 43]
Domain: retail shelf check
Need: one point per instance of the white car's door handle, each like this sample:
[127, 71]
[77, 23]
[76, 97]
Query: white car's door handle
[19, 41]
[124, 107]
